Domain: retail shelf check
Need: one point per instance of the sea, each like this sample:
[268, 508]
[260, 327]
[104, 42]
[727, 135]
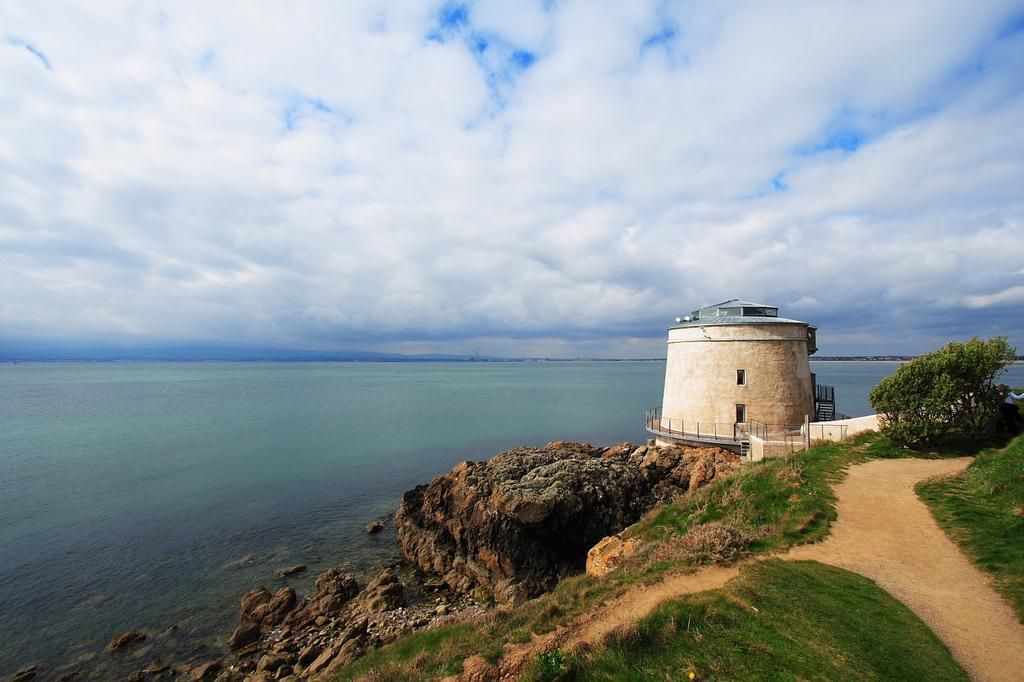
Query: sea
[153, 495]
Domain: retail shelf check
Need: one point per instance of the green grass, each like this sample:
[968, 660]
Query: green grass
[777, 621]
[979, 509]
[432, 654]
[779, 503]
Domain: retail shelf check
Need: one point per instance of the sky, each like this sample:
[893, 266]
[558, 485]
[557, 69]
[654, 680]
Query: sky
[522, 178]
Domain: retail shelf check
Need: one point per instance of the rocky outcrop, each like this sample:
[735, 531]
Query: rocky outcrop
[609, 554]
[282, 634]
[515, 524]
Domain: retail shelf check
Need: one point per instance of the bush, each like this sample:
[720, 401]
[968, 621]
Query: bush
[951, 391]
[551, 665]
[712, 542]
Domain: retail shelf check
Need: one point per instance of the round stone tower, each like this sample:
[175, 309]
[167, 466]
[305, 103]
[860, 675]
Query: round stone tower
[731, 364]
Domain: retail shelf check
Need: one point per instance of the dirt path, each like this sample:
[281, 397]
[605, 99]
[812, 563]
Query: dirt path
[886, 533]
[637, 603]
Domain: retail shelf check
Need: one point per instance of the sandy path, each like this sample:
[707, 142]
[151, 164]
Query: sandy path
[886, 533]
[637, 603]
[594, 625]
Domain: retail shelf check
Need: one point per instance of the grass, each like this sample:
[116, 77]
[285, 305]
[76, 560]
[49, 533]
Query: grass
[983, 510]
[778, 620]
[776, 503]
[432, 654]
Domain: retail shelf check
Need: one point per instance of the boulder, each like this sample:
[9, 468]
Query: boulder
[205, 671]
[334, 588]
[255, 597]
[515, 524]
[322, 661]
[374, 527]
[245, 633]
[274, 611]
[309, 654]
[270, 663]
[384, 593]
[607, 555]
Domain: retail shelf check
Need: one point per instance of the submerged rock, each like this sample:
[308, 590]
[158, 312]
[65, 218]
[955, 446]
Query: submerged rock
[123, 639]
[517, 523]
[289, 570]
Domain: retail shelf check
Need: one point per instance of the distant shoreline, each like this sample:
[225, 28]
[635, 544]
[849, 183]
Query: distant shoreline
[25, 361]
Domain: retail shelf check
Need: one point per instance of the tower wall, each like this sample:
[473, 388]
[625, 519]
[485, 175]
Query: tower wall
[700, 373]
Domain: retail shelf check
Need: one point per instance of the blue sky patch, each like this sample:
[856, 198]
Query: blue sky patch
[523, 59]
[39, 54]
[665, 34]
[298, 107]
[451, 19]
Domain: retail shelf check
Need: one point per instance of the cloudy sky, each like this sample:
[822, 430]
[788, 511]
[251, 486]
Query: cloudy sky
[527, 178]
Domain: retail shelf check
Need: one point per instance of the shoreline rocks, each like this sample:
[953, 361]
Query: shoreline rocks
[506, 529]
[517, 523]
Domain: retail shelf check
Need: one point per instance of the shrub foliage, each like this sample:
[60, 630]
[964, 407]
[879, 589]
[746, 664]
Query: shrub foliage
[951, 391]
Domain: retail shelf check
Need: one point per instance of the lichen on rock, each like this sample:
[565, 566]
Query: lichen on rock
[516, 523]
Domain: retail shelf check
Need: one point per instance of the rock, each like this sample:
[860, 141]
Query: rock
[155, 668]
[607, 555]
[270, 663]
[258, 677]
[284, 672]
[334, 588]
[206, 670]
[247, 650]
[374, 527]
[441, 610]
[245, 633]
[516, 524]
[384, 593]
[277, 609]
[322, 661]
[123, 639]
[29, 672]
[290, 570]
[348, 652]
[309, 654]
[253, 599]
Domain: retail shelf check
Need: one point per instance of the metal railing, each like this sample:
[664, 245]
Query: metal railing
[829, 432]
[776, 432]
[674, 427]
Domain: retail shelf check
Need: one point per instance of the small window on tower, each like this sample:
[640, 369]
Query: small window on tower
[741, 377]
[741, 413]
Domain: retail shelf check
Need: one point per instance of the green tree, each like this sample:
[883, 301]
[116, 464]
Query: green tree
[951, 391]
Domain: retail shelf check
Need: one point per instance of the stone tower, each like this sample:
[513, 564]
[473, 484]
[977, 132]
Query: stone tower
[731, 364]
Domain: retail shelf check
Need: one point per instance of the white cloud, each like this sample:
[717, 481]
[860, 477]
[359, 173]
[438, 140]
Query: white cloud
[324, 174]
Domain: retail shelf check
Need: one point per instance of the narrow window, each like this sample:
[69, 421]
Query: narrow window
[741, 413]
[741, 377]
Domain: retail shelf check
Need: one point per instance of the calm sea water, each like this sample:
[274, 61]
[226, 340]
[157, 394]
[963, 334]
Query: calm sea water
[138, 495]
